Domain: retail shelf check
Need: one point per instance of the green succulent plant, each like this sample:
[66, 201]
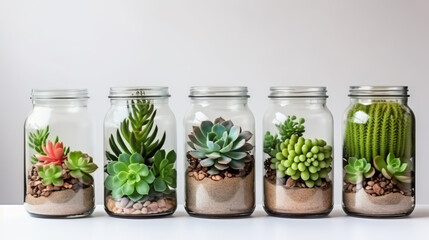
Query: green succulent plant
[271, 144]
[137, 133]
[358, 169]
[129, 176]
[290, 127]
[377, 129]
[303, 159]
[36, 141]
[393, 168]
[81, 165]
[51, 174]
[220, 145]
[163, 169]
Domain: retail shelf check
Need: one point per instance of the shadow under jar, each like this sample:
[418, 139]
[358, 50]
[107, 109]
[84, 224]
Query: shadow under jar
[298, 153]
[140, 153]
[58, 165]
[219, 153]
[379, 153]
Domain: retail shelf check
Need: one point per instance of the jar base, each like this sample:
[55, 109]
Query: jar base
[140, 216]
[298, 215]
[80, 215]
[364, 215]
[214, 216]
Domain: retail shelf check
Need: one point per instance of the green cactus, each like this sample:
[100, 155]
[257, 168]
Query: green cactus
[290, 127]
[358, 169]
[393, 168]
[129, 176]
[303, 159]
[81, 165]
[51, 174]
[376, 130]
[220, 145]
[163, 169]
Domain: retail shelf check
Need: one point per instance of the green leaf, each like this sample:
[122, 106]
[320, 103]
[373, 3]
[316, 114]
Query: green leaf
[171, 156]
[149, 178]
[144, 170]
[76, 173]
[125, 158]
[127, 189]
[159, 185]
[117, 182]
[142, 187]
[218, 129]
[108, 183]
[120, 166]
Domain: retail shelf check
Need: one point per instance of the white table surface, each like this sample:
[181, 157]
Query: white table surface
[15, 223]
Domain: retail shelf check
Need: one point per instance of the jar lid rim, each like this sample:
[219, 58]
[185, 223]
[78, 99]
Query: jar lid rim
[219, 91]
[80, 93]
[378, 91]
[298, 92]
[139, 92]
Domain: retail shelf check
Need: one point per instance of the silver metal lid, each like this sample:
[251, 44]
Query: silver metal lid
[203, 91]
[138, 92]
[38, 94]
[379, 91]
[298, 92]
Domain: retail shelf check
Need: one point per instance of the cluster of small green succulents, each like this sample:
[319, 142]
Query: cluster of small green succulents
[52, 159]
[220, 145]
[292, 155]
[374, 135]
[138, 166]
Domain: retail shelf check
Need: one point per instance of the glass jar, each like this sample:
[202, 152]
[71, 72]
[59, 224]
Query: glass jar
[379, 152]
[140, 153]
[298, 152]
[59, 141]
[219, 153]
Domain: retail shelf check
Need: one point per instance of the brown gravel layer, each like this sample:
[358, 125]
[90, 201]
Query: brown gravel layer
[226, 196]
[125, 206]
[378, 186]
[295, 198]
[67, 202]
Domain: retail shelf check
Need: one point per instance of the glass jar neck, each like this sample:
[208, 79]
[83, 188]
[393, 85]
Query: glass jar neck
[224, 101]
[303, 101]
[60, 103]
[128, 101]
[369, 100]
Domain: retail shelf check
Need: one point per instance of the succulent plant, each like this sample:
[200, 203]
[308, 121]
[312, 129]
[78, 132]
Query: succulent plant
[393, 168]
[129, 176]
[163, 169]
[51, 174]
[271, 144]
[54, 153]
[37, 141]
[136, 133]
[220, 145]
[81, 165]
[376, 130]
[291, 127]
[305, 159]
[357, 170]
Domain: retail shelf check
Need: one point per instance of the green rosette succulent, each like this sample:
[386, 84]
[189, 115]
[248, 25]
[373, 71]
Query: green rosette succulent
[129, 176]
[81, 166]
[393, 168]
[220, 145]
[358, 169]
[163, 169]
[303, 159]
[51, 174]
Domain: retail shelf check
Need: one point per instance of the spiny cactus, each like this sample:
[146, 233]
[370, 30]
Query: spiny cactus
[358, 169]
[393, 168]
[136, 133]
[376, 130]
[305, 159]
[220, 145]
[51, 174]
[129, 176]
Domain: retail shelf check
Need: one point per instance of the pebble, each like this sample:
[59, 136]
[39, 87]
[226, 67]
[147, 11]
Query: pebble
[383, 184]
[138, 206]
[153, 207]
[371, 183]
[124, 202]
[144, 211]
[201, 176]
[130, 204]
[128, 210]
[377, 189]
[145, 204]
[161, 203]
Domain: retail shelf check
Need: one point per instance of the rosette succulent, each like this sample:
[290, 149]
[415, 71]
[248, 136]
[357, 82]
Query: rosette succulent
[220, 145]
[163, 169]
[357, 170]
[129, 176]
[393, 168]
[51, 174]
[53, 153]
[305, 159]
[81, 165]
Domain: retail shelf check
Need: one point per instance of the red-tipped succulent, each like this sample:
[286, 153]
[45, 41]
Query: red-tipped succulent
[54, 153]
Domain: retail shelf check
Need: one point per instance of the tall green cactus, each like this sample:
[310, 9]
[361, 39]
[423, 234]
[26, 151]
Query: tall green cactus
[376, 129]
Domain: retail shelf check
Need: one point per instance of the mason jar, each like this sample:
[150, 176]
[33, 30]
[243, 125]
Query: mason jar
[140, 153]
[298, 152]
[58, 150]
[219, 153]
[379, 152]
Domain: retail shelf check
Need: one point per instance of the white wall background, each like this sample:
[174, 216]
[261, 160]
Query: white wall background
[179, 43]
